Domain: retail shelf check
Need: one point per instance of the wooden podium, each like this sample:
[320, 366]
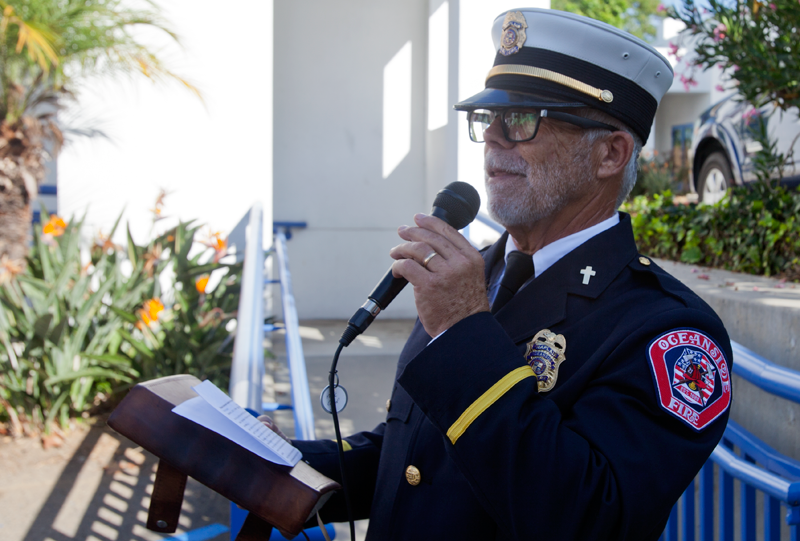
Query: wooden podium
[284, 497]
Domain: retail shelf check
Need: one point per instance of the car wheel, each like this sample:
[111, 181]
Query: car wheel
[715, 178]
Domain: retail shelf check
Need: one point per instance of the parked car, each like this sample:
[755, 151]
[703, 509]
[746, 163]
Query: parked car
[723, 146]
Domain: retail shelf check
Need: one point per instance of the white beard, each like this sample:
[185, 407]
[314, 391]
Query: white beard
[549, 188]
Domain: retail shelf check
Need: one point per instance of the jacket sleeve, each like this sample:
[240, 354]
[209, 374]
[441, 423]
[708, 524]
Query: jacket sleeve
[608, 466]
[362, 451]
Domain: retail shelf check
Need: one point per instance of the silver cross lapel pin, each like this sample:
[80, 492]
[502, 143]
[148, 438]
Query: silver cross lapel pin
[587, 274]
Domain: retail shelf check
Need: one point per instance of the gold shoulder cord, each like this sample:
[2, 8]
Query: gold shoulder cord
[541, 73]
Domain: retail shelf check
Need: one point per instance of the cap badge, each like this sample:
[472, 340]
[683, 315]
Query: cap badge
[514, 37]
[545, 353]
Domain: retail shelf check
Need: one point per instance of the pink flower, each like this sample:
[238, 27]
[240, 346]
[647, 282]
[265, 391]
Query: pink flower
[673, 49]
[688, 82]
[720, 88]
[750, 114]
[661, 8]
[735, 67]
[719, 32]
[773, 7]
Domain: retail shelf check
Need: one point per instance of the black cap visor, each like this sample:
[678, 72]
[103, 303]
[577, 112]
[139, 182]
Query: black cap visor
[495, 98]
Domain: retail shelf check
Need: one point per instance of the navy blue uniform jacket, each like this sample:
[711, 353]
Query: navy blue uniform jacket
[596, 458]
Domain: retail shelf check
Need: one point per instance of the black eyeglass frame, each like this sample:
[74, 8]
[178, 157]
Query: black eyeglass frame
[575, 120]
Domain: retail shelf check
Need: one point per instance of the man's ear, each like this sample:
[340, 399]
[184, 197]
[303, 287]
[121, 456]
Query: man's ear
[615, 151]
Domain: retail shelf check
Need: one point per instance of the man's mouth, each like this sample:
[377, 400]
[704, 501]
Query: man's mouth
[500, 166]
[495, 172]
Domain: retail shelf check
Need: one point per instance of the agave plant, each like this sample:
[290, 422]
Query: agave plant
[46, 48]
[59, 340]
[184, 330]
[77, 328]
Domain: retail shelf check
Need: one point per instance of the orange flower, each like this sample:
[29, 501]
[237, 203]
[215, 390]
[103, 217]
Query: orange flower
[55, 226]
[149, 312]
[201, 283]
[219, 245]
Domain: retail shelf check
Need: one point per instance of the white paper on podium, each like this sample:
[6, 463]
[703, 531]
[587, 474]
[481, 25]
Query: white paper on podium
[216, 411]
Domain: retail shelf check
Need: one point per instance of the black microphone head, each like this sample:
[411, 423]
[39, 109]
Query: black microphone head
[457, 204]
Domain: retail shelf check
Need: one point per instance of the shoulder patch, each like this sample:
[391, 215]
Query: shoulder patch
[691, 375]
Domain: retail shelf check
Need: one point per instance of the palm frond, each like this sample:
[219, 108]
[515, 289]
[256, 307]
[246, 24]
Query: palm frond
[51, 44]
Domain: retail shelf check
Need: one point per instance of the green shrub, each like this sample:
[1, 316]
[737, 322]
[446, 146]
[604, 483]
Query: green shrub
[653, 177]
[754, 230]
[74, 335]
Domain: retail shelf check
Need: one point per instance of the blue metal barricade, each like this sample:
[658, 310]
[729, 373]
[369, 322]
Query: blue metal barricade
[247, 370]
[742, 459]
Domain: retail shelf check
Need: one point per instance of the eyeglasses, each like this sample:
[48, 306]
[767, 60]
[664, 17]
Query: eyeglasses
[520, 125]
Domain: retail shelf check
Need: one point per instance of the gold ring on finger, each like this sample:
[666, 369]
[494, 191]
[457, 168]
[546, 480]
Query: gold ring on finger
[428, 259]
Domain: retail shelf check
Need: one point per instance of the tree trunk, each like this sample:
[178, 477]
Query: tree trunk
[21, 170]
[15, 210]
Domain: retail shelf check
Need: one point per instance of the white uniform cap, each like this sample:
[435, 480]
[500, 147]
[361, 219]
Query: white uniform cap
[549, 58]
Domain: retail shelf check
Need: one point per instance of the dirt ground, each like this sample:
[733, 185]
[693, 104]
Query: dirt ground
[94, 487]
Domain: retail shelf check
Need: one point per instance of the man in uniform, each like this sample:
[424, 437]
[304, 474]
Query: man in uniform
[558, 386]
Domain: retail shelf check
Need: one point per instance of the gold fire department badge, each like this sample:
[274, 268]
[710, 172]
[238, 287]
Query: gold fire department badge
[545, 353]
[514, 37]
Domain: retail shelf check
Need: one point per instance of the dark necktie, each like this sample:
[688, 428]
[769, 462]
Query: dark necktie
[519, 269]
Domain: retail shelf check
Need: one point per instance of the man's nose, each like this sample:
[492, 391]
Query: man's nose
[493, 136]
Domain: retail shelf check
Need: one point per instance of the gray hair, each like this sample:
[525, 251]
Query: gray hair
[592, 135]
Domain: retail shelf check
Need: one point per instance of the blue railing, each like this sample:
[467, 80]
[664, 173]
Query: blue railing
[301, 397]
[485, 220]
[743, 459]
[247, 369]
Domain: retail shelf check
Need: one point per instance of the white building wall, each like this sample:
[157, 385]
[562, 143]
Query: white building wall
[214, 158]
[331, 61]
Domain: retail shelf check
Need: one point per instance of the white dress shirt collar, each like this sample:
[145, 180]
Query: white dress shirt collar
[546, 257]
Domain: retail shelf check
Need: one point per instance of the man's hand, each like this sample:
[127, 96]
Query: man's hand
[453, 286]
[267, 421]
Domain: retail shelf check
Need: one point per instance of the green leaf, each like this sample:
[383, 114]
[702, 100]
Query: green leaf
[140, 346]
[42, 325]
[93, 372]
[692, 255]
[133, 252]
[110, 359]
[53, 411]
[127, 316]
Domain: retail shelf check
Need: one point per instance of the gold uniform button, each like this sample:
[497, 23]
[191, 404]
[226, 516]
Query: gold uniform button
[644, 261]
[413, 476]
[389, 404]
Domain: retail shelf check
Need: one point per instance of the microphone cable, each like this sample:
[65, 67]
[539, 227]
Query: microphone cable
[333, 377]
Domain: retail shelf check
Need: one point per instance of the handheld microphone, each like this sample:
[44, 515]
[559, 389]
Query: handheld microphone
[456, 204]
